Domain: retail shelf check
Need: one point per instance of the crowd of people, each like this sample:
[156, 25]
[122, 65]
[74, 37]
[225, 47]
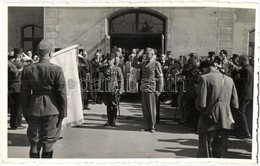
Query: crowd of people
[191, 83]
[177, 81]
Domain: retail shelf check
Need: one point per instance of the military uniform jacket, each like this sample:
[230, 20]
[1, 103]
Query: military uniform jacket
[113, 78]
[12, 74]
[208, 91]
[152, 75]
[43, 89]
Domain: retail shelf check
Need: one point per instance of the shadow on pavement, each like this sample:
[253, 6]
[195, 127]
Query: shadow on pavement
[15, 139]
[182, 152]
[188, 142]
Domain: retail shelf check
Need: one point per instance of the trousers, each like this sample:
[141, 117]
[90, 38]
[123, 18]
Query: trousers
[43, 132]
[149, 110]
[15, 110]
[243, 118]
[213, 144]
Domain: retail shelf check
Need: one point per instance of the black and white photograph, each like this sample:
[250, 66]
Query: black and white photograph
[128, 84]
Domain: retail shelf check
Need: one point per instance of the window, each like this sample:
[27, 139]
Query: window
[137, 22]
[31, 36]
[251, 46]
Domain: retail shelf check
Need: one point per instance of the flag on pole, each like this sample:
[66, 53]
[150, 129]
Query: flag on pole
[67, 60]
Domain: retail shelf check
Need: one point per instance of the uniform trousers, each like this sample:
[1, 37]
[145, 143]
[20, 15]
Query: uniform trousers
[43, 132]
[213, 144]
[149, 109]
[111, 103]
[16, 110]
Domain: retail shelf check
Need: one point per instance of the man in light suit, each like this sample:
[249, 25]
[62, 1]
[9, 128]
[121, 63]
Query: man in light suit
[215, 120]
[150, 88]
[44, 102]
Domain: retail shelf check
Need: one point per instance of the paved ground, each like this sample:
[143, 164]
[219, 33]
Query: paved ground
[93, 140]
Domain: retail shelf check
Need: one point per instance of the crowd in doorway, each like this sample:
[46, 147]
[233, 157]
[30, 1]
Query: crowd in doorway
[181, 81]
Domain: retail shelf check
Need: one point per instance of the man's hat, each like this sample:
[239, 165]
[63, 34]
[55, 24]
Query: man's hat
[205, 64]
[18, 51]
[44, 47]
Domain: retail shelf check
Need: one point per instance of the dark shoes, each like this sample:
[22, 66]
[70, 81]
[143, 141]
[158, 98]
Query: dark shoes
[47, 154]
[150, 130]
[17, 128]
[112, 124]
[107, 123]
[243, 136]
[153, 131]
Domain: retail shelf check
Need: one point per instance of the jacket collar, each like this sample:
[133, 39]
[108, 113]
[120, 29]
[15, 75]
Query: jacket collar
[44, 60]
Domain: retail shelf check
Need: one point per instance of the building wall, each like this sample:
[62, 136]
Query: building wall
[188, 29]
[18, 17]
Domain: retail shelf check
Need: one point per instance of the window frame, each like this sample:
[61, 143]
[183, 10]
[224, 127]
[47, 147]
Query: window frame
[33, 39]
[137, 13]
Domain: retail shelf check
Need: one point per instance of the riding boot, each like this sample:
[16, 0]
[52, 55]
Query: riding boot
[47, 154]
[114, 114]
[109, 118]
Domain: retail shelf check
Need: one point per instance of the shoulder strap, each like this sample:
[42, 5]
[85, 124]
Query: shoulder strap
[220, 92]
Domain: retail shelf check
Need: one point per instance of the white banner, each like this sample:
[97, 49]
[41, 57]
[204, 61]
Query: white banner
[67, 60]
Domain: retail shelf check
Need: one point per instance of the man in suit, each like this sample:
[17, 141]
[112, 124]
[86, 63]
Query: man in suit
[95, 63]
[113, 85]
[216, 119]
[14, 87]
[44, 102]
[163, 96]
[150, 88]
[228, 66]
[245, 94]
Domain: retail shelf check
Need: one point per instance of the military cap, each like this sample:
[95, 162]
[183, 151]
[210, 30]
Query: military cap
[18, 51]
[44, 47]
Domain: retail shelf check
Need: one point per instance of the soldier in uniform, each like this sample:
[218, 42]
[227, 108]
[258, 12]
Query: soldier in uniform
[113, 85]
[151, 70]
[44, 102]
[14, 87]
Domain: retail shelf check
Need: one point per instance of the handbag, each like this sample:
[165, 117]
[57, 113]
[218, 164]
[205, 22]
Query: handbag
[208, 111]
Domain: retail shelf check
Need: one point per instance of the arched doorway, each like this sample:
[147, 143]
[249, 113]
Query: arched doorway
[137, 28]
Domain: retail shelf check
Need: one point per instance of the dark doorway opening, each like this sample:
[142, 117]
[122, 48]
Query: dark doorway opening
[129, 42]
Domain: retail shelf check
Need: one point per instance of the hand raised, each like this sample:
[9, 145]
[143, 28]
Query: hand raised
[141, 52]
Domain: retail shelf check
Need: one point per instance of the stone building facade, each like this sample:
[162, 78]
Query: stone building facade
[183, 30]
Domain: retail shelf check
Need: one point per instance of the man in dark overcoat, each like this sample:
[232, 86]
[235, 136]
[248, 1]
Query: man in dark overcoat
[245, 94]
[215, 120]
[44, 102]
